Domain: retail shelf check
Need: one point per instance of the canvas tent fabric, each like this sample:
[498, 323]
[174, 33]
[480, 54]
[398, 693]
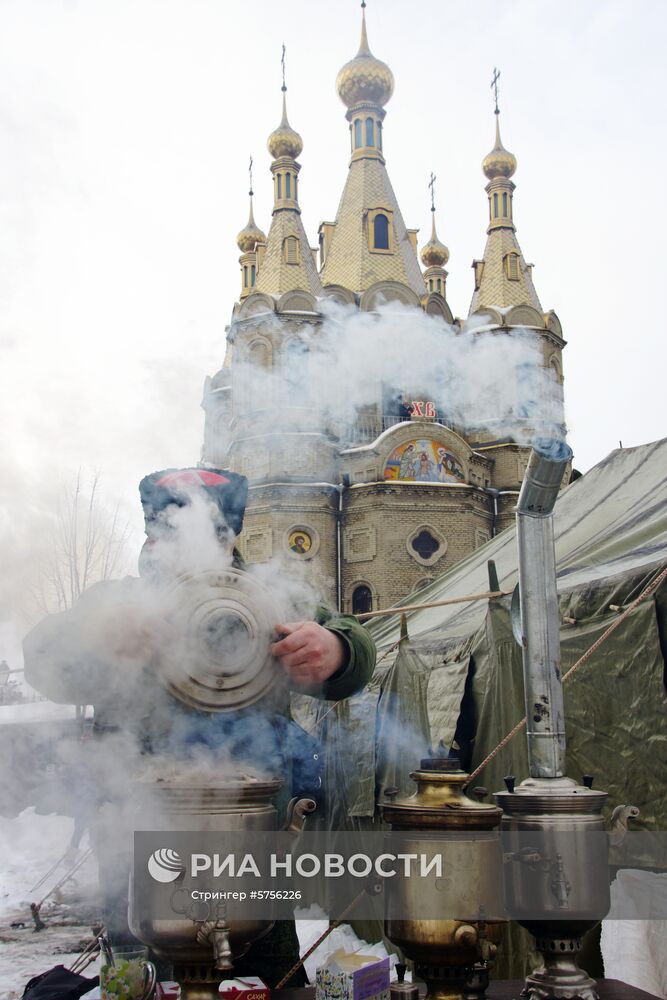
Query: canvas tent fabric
[610, 530]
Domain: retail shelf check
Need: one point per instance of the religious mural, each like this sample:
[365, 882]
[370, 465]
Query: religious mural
[423, 461]
[300, 542]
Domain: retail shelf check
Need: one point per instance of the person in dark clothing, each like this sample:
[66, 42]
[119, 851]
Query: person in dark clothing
[102, 651]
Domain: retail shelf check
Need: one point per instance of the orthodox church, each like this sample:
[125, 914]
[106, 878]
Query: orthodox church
[377, 509]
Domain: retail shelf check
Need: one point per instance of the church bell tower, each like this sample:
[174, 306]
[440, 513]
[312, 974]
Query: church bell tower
[376, 509]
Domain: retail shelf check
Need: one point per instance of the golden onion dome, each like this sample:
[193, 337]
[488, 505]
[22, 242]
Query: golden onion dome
[365, 78]
[284, 141]
[499, 162]
[434, 253]
[250, 234]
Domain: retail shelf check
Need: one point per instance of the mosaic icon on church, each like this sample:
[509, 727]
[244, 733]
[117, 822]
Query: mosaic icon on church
[300, 542]
[423, 461]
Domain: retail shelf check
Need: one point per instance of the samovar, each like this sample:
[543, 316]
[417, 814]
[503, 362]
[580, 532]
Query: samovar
[224, 622]
[202, 941]
[451, 951]
[556, 872]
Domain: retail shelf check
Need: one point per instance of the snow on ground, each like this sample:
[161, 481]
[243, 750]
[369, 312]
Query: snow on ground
[29, 845]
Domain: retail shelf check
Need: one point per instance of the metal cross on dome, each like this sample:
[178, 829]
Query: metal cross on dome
[282, 63]
[250, 175]
[431, 184]
[494, 85]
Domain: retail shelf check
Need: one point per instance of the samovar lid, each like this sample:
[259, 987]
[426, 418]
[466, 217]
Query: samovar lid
[550, 795]
[222, 662]
[439, 803]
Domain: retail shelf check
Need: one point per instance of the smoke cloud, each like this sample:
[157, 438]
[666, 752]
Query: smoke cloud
[481, 379]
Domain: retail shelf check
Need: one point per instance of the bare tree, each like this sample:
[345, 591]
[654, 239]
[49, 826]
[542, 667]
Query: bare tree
[89, 544]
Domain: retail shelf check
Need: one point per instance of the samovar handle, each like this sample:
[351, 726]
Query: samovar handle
[619, 823]
[297, 810]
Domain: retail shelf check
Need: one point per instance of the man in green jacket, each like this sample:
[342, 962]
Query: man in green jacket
[100, 652]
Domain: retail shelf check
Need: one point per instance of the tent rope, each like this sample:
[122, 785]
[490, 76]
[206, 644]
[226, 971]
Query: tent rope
[648, 590]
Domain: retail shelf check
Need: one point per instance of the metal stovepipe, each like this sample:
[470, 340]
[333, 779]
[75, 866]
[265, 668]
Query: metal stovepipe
[540, 620]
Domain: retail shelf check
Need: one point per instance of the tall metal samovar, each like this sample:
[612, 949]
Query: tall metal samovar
[439, 815]
[557, 877]
[224, 622]
[205, 939]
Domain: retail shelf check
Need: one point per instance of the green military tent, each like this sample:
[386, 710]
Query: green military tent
[457, 677]
[610, 530]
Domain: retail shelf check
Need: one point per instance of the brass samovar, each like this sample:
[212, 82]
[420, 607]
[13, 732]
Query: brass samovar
[448, 952]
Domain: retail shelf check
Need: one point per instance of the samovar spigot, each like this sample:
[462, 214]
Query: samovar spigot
[216, 934]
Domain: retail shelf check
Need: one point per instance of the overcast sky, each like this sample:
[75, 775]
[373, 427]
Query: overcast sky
[125, 132]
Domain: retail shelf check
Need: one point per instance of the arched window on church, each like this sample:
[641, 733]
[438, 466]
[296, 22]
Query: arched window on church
[259, 359]
[295, 376]
[504, 204]
[381, 232]
[370, 138]
[259, 354]
[439, 285]
[495, 205]
[245, 275]
[362, 600]
[252, 275]
[357, 133]
[288, 185]
[291, 250]
[279, 185]
[380, 136]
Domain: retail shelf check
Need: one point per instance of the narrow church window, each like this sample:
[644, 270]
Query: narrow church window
[259, 354]
[279, 178]
[425, 545]
[245, 276]
[370, 139]
[512, 264]
[430, 284]
[438, 284]
[357, 133]
[362, 600]
[495, 206]
[504, 204]
[381, 232]
[288, 185]
[291, 250]
[252, 275]
[380, 136]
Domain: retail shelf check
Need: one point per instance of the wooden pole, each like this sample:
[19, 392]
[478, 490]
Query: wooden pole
[486, 596]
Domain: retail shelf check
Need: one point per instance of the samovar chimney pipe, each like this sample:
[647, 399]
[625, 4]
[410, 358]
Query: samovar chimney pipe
[540, 620]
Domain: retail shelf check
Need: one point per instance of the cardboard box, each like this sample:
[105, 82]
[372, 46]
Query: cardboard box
[245, 988]
[340, 980]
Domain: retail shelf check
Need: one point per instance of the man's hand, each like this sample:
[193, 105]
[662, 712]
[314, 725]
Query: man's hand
[309, 653]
